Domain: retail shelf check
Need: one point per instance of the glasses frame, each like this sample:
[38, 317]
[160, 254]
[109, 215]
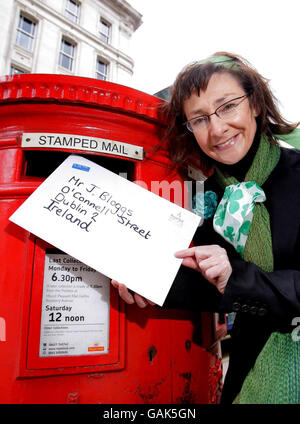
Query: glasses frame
[188, 123]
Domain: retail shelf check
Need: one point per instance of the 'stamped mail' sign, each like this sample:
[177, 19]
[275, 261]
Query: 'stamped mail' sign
[116, 227]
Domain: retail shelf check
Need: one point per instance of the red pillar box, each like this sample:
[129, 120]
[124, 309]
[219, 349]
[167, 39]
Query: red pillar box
[146, 356]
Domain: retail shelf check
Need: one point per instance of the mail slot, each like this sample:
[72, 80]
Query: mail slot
[68, 336]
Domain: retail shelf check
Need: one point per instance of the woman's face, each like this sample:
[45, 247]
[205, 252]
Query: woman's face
[226, 141]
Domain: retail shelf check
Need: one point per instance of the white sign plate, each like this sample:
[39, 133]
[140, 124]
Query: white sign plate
[81, 142]
[111, 224]
[75, 308]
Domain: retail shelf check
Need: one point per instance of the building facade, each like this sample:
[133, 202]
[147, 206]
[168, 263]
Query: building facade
[89, 38]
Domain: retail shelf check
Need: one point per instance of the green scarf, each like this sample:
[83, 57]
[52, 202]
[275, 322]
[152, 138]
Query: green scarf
[275, 377]
[243, 198]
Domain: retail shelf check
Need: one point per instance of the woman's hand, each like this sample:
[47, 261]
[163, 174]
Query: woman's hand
[212, 261]
[131, 298]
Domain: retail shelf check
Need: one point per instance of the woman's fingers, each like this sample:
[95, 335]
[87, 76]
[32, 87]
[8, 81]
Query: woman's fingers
[198, 252]
[125, 294]
[192, 256]
[190, 263]
[220, 258]
[212, 261]
[129, 298]
[218, 276]
[140, 301]
[185, 253]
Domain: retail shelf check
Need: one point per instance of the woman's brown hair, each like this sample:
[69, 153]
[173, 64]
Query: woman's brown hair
[181, 143]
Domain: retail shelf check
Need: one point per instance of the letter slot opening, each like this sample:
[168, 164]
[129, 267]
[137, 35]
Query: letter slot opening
[42, 163]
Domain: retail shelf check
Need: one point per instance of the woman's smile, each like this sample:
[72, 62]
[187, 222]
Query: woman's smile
[227, 144]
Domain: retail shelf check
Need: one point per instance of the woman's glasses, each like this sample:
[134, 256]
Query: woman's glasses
[226, 111]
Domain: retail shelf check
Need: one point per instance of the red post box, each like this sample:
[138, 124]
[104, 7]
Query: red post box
[153, 356]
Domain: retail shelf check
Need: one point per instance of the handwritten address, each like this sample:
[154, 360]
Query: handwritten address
[84, 204]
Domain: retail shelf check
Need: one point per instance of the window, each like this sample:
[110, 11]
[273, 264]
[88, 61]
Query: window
[101, 70]
[66, 54]
[15, 71]
[72, 10]
[25, 33]
[105, 29]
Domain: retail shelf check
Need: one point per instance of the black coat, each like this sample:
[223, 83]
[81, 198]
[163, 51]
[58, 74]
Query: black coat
[264, 302]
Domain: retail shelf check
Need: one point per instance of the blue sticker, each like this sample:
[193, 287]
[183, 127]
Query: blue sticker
[81, 167]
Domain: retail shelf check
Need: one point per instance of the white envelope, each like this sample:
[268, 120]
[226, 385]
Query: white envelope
[111, 224]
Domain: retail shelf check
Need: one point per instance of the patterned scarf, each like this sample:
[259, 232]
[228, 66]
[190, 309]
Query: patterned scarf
[243, 220]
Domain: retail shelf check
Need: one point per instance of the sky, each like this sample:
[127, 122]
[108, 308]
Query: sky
[177, 32]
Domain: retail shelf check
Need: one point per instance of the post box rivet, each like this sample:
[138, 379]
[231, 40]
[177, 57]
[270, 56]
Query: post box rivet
[151, 353]
[188, 345]
[28, 139]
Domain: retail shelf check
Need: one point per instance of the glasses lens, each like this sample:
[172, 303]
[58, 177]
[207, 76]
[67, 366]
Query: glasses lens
[189, 126]
[230, 108]
[198, 123]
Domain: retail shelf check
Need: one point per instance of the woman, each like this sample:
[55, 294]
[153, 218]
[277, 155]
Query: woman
[222, 112]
